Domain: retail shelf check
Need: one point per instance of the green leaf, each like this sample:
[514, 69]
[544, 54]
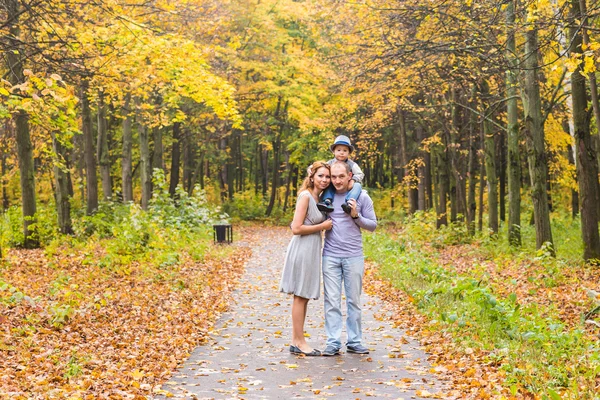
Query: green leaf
[554, 395]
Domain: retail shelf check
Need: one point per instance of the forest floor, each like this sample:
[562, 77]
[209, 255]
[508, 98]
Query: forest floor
[247, 355]
[72, 327]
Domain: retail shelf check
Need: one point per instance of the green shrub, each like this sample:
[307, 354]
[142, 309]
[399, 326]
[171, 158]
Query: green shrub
[247, 206]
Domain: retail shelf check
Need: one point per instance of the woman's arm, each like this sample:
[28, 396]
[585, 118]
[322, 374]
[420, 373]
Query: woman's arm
[298, 227]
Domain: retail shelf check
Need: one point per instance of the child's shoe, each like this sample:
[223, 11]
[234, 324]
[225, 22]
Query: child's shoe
[325, 206]
[346, 207]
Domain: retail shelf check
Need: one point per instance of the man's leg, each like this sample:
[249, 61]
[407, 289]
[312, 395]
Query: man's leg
[353, 270]
[332, 285]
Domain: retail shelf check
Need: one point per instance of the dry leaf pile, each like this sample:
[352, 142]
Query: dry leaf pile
[531, 280]
[470, 374]
[69, 327]
[563, 290]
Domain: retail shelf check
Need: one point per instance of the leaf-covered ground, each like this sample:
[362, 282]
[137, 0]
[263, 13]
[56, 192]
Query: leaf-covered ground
[247, 355]
[71, 328]
[549, 286]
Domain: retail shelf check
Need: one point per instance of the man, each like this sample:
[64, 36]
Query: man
[343, 261]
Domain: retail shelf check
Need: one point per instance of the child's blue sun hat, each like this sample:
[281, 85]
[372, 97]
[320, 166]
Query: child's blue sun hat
[345, 140]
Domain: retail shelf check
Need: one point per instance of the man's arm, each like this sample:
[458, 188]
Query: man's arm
[366, 217]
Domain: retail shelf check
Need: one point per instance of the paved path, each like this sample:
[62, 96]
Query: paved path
[247, 355]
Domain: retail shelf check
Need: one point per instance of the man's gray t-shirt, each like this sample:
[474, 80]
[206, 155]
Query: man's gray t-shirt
[345, 239]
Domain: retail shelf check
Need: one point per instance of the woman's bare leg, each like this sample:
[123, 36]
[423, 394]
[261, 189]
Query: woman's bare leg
[299, 307]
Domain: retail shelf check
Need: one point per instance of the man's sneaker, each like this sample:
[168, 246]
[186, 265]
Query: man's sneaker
[325, 207]
[357, 348]
[330, 351]
[347, 209]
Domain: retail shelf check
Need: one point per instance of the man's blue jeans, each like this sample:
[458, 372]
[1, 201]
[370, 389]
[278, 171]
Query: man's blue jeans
[350, 271]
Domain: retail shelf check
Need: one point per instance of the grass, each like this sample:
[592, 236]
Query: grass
[528, 340]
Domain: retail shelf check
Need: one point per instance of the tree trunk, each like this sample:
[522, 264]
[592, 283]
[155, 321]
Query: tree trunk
[145, 161]
[574, 193]
[501, 150]
[587, 167]
[443, 183]
[188, 160]
[481, 176]
[14, 63]
[223, 172]
[5, 201]
[175, 154]
[88, 148]
[126, 161]
[102, 146]
[512, 132]
[158, 153]
[63, 204]
[277, 155]
[288, 181]
[421, 172]
[264, 169]
[403, 173]
[490, 171]
[593, 83]
[536, 153]
[472, 165]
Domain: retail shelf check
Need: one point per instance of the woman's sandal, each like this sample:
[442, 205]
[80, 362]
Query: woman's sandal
[296, 350]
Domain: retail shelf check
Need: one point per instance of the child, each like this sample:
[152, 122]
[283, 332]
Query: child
[341, 149]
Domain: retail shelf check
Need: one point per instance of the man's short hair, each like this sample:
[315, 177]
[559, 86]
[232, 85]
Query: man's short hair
[345, 164]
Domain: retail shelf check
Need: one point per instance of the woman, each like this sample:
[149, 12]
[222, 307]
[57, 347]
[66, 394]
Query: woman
[302, 270]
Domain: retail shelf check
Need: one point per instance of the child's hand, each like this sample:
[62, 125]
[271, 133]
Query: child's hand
[350, 184]
[309, 171]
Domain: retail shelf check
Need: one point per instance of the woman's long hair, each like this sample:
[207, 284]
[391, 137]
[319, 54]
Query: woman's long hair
[308, 182]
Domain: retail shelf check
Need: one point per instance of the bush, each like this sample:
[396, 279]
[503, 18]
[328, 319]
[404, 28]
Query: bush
[246, 206]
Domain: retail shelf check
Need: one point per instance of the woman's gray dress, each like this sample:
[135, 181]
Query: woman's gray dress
[302, 270]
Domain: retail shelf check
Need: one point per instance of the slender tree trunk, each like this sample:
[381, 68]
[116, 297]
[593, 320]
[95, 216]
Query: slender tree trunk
[277, 157]
[102, 146]
[481, 177]
[592, 77]
[472, 165]
[14, 63]
[587, 167]
[89, 151]
[512, 132]
[288, 181]
[158, 153]
[421, 172]
[403, 174]
[295, 182]
[231, 172]
[126, 160]
[63, 204]
[574, 193]
[175, 154]
[501, 150]
[145, 162]
[5, 201]
[536, 153]
[201, 169]
[264, 168]
[443, 183]
[492, 180]
[223, 172]
[188, 160]
[428, 181]
[275, 175]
